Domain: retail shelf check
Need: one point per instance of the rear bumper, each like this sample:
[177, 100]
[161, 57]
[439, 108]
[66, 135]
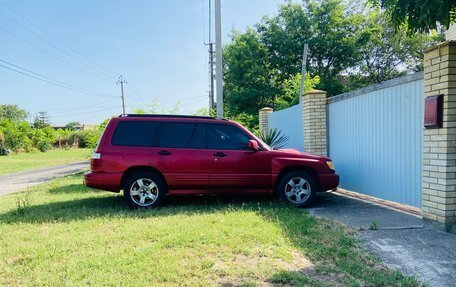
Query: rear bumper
[328, 181]
[109, 181]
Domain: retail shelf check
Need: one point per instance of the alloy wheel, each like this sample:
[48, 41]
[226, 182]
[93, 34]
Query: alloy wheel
[144, 192]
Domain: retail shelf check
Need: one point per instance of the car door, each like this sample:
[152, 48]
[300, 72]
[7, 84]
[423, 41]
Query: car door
[182, 155]
[232, 163]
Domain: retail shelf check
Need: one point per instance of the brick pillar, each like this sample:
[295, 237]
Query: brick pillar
[314, 122]
[439, 145]
[264, 118]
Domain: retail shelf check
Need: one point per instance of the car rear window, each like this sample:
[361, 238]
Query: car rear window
[181, 135]
[130, 133]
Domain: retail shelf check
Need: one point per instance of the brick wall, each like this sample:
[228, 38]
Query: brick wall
[439, 145]
[263, 115]
[314, 122]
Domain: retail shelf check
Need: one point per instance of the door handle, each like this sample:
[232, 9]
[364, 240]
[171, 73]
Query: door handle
[164, 152]
[220, 154]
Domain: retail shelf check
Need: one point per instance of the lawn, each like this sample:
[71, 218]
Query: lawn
[63, 234]
[24, 161]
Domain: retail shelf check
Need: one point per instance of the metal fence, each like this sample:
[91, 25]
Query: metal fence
[289, 122]
[374, 138]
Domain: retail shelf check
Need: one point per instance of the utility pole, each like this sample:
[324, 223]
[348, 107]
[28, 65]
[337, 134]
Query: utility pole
[211, 71]
[218, 58]
[303, 71]
[211, 60]
[121, 81]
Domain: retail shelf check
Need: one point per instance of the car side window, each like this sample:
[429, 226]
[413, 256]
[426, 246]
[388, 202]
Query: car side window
[226, 137]
[132, 133]
[197, 139]
[180, 135]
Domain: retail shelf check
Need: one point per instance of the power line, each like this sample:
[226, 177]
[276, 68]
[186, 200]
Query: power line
[55, 39]
[100, 74]
[51, 81]
[86, 113]
[137, 95]
[52, 55]
[67, 109]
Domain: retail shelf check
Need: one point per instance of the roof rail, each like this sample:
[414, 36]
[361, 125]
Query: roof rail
[170, 116]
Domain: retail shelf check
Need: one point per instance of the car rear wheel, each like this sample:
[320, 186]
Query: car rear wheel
[297, 188]
[144, 190]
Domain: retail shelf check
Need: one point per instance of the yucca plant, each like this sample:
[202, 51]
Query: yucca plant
[274, 138]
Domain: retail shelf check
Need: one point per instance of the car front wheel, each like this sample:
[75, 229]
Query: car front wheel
[144, 190]
[297, 188]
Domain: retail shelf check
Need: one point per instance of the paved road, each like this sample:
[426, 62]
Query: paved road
[402, 241]
[20, 181]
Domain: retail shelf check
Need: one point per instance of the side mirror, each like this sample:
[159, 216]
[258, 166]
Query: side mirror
[253, 145]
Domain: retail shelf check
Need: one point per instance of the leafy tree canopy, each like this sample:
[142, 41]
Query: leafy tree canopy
[13, 113]
[73, 125]
[420, 15]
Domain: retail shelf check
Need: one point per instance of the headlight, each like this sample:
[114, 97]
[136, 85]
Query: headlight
[330, 165]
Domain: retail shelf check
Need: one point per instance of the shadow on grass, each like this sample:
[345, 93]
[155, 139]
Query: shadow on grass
[70, 188]
[323, 242]
[114, 205]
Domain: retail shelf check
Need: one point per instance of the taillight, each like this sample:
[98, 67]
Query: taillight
[95, 160]
[96, 155]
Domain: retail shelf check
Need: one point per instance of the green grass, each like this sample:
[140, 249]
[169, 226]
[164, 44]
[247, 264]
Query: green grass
[25, 161]
[63, 234]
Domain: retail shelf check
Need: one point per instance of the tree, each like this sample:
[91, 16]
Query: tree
[41, 120]
[248, 76]
[389, 52]
[73, 126]
[16, 135]
[155, 108]
[332, 31]
[13, 113]
[290, 90]
[420, 15]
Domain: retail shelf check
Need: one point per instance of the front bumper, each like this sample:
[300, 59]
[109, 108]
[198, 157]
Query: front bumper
[328, 181]
[109, 181]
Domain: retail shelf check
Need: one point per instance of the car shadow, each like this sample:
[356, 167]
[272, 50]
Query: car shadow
[112, 205]
[70, 188]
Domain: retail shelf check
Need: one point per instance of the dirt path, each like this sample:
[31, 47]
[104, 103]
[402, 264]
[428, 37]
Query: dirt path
[15, 182]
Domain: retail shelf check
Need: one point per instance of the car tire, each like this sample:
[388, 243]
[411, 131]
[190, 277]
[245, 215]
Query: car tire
[144, 190]
[297, 188]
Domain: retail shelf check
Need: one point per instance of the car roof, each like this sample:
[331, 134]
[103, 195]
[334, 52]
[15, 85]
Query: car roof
[163, 117]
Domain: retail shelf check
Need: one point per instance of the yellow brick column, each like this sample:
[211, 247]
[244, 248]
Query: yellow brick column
[439, 145]
[263, 115]
[314, 122]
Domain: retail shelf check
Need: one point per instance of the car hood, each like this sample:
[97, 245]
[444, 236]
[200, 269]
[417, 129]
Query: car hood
[294, 153]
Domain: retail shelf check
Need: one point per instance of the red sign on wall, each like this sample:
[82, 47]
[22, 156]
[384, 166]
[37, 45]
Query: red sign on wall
[433, 112]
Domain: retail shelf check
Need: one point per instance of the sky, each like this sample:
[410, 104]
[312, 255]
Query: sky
[84, 45]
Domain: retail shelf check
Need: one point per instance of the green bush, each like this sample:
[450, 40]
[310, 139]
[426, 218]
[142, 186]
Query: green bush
[15, 135]
[43, 145]
[3, 150]
[87, 138]
[43, 139]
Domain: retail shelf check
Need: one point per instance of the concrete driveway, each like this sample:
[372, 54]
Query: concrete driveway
[401, 240]
[20, 181]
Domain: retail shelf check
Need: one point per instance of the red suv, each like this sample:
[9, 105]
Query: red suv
[150, 156]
